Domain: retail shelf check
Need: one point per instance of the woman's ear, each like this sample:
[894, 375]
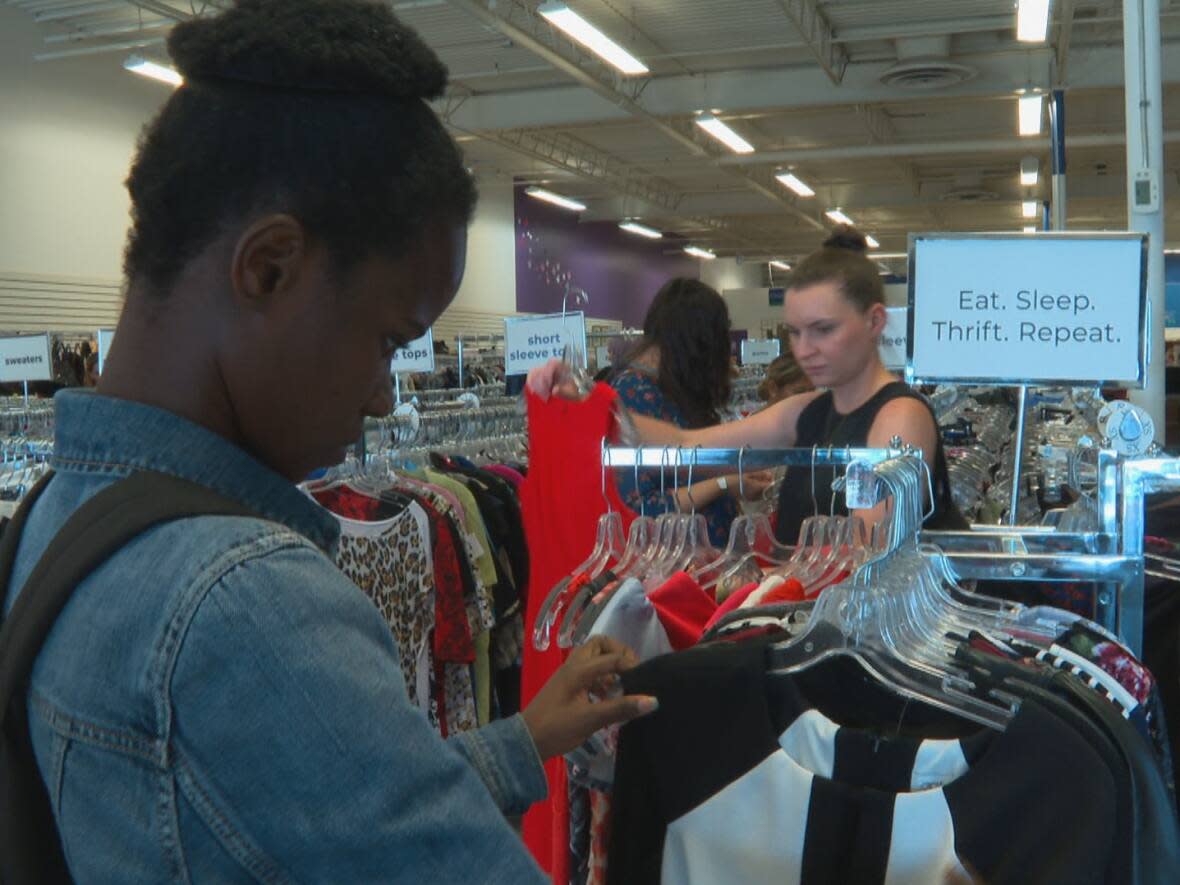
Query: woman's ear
[877, 316]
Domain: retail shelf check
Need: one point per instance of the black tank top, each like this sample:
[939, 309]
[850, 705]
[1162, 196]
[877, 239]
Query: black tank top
[821, 425]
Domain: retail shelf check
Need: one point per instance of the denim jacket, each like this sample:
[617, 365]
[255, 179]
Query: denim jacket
[218, 703]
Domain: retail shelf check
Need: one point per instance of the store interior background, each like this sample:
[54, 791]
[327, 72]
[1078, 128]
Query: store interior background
[907, 122]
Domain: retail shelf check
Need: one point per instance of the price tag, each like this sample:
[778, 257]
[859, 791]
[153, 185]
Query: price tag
[532, 341]
[894, 338]
[25, 358]
[105, 337]
[861, 491]
[1045, 309]
[417, 356]
[760, 352]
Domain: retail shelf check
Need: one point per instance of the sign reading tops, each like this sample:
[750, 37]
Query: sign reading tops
[25, 358]
[417, 356]
[1010, 309]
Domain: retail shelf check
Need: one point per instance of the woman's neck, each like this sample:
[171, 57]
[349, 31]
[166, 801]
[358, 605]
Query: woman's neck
[851, 396]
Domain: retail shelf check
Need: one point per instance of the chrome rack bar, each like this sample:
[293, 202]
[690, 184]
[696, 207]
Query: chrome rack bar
[673, 456]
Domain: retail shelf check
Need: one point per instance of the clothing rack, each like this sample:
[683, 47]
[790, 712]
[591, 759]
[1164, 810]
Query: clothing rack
[461, 341]
[1112, 557]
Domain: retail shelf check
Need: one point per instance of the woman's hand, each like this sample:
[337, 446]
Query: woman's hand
[754, 484]
[553, 378]
[562, 716]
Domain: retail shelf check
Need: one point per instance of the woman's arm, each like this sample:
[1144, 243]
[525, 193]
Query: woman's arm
[910, 420]
[772, 428]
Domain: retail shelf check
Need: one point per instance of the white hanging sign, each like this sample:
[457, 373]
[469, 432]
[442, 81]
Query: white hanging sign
[602, 356]
[417, 356]
[105, 337]
[26, 358]
[892, 344]
[760, 352]
[534, 340]
[1010, 309]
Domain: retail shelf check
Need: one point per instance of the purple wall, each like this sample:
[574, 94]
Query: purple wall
[621, 272]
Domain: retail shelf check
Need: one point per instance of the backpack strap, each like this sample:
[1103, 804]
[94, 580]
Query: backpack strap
[29, 846]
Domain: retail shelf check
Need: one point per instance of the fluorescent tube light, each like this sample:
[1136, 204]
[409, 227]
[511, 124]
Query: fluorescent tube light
[790, 180]
[540, 193]
[1030, 229]
[724, 134]
[1032, 21]
[1029, 208]
[872, 241]
[1030, 114]
[880, 255]
[698, 252]
[837, 216]
[641, 229]
[1172, 251]
[139, 65]
[781, 265]
[1030, 170]
[577, 28]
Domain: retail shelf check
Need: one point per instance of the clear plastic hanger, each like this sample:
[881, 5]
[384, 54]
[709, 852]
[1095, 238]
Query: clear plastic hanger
[880, 618]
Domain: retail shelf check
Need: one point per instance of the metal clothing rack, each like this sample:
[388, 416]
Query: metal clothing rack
[462, 340]
[1112, 557]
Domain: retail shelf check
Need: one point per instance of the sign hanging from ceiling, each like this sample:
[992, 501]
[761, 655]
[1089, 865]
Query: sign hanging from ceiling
[532, 341]
[417, 356]
[1011, 309]
[760, 352]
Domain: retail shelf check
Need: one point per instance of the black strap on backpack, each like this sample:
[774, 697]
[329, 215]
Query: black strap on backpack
[30, 850]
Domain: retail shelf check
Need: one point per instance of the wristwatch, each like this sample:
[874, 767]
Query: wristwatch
[723, 483]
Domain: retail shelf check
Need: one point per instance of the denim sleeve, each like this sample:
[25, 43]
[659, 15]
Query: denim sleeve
[504, 756]
[297, 750]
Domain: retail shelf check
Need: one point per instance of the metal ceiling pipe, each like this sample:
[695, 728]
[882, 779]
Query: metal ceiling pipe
[927, 149]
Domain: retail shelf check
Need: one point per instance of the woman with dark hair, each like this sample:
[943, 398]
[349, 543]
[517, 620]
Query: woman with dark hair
[679, 372]
[835, 312]
[217, 702]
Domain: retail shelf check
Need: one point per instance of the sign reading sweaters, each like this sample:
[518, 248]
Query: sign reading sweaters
[25, 358]
[1016, 308]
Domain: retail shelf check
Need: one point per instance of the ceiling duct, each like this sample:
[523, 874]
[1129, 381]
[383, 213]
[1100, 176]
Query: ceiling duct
[969, 189]
[924, 64]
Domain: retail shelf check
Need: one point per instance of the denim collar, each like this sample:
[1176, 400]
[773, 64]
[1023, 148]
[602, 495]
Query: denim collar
[101, 435]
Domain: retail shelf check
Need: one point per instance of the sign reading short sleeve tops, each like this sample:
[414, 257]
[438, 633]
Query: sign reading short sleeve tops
[532, 341]
[1013, 309]
[25, 358]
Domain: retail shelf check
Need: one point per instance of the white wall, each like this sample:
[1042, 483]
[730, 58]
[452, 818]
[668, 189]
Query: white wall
[730, 273]
[750, 309]
[489, 284]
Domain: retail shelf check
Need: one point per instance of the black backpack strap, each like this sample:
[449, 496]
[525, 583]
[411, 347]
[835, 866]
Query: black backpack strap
[29, 846]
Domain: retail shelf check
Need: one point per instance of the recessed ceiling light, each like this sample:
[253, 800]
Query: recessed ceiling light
[698, 252]
[720, 131]
[539, 193]
[781, 265]
[1029, 208]
[839, 217]
[565, 19]
[1032, 21]
[789, 179]
[1030, 229]
[640, 229]
[1030, 169]
[1029, 114]
[139, 65]
[872, 241]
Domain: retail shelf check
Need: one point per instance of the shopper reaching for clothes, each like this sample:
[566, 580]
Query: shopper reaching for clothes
[216, 701]
[834, 311]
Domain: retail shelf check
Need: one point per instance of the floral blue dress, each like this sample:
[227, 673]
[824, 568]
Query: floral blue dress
[640, 394]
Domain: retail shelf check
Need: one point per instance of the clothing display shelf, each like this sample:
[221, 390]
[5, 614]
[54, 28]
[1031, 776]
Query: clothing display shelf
[1112, 557]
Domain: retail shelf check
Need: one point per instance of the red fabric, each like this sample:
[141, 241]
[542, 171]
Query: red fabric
[732, 603]
[452, 629]
[683, 608]
[790, 590]
[349, 503]
[561, 500]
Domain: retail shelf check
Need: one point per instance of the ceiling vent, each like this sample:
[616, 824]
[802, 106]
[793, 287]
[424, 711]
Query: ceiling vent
[970, 195]
[924, 64]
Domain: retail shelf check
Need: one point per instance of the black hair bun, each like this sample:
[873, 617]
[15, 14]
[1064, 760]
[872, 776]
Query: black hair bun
[847, 237]
[353, 46]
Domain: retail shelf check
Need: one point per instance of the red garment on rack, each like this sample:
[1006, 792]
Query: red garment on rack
[683, 609]
[561, 500]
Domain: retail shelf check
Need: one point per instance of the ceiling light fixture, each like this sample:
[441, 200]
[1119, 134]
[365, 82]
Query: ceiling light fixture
[872, 241]
[539, 193]
[577, 28]
[642, 230]
[790, 180]
[781, 265]
[137, 64]
[1030, 171]
[1029, 208]
[1029, 114]
[1032, 21]
[697, 252]
[879, 255]
[839, 217]
[724, 134]
[1030, 229]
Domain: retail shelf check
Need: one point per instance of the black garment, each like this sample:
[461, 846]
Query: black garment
[821, 425]
[1032, 804]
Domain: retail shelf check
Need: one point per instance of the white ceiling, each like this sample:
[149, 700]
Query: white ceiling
[528, 104]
